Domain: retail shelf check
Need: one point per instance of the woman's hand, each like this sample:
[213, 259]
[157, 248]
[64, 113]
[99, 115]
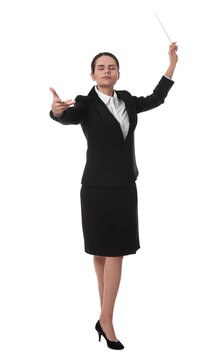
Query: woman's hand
[172, 54]
[58, 106]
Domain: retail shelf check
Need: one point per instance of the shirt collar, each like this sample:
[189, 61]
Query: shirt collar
[107, 98]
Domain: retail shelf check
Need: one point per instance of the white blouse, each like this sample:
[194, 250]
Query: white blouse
[117, 107]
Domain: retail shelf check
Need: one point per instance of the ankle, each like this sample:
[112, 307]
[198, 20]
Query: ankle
[106, 319]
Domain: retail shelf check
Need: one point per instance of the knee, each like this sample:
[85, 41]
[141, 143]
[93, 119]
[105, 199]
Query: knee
[99, 258]
[115, 258]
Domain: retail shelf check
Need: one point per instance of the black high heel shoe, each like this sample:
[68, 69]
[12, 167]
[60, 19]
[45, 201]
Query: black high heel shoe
[116, 345]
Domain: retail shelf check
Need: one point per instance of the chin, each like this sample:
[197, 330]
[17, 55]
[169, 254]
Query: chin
[106, 85]
[109, 83]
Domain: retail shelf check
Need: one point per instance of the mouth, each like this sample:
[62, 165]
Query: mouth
[106, 77]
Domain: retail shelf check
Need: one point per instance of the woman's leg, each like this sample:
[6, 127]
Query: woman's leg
[112, 277]
[99, 263]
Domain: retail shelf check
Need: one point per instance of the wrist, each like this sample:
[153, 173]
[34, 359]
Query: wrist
[170, 70]
[58, 115]
[172, 66]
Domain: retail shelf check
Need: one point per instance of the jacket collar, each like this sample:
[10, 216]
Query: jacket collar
[93, 94]
[106, 98]
[109, 117]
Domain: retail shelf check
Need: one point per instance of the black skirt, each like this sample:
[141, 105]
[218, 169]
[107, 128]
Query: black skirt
[110, 220]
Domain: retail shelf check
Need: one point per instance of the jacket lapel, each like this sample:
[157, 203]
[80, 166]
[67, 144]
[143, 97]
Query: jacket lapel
[109, 117]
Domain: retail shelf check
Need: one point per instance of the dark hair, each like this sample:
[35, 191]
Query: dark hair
[101, 54]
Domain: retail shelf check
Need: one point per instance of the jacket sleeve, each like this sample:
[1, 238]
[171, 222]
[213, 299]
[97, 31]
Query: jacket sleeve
[156, 98]
[73, 115]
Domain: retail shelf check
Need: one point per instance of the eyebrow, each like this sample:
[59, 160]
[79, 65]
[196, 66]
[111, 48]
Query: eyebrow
[104, 65]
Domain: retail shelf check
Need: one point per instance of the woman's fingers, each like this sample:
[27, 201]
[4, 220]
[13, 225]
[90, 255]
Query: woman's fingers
[55, 95]
[68, 101]
[173, 46]
[58, 105]
[63, 106]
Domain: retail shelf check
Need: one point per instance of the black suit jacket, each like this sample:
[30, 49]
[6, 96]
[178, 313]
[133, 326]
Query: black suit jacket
[110, 159]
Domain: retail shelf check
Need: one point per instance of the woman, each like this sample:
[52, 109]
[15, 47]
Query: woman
[108, 193]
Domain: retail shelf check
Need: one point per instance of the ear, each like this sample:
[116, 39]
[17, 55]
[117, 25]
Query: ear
[92, 76]
[118, 75]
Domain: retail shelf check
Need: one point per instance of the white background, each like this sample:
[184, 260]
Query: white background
[168, 301]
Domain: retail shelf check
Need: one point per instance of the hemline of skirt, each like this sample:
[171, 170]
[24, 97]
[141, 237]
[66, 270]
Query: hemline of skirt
[124, 253]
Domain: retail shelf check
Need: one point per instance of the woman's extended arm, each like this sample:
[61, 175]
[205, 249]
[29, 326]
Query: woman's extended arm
[63, 113]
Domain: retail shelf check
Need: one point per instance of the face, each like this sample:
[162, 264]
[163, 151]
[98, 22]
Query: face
[106, 72]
